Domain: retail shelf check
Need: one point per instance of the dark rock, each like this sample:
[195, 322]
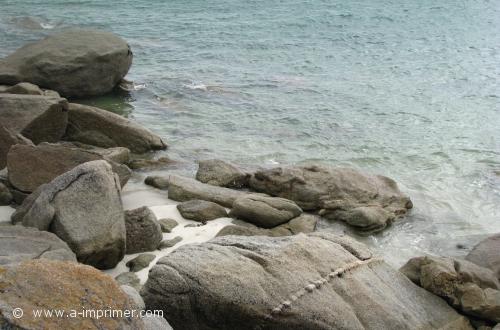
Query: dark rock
[143, 230]
[130, 279]
[167, 225]
[137, 164]
[220, 173]
[75, 63]
[7, 140]
[105, 129]
[296, 282]
[6, 197]
[140, 262]
[165, 244]
[83, 207]
[487, 254]
[199, 210]
[157, 182]
[263, 211]
[367, 202]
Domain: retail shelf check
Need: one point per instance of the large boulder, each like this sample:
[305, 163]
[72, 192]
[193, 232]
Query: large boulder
[83, 207]
[368, 202]
[471, 289]
[8, 138]
[105, 129]
[199, 210]
[143, 230]
[38, 118]
[44, 285]
[298, 282]
[75, 63]
[487, 254]
[19, 243]
[31, 166]
[220, 173]
[264, 211]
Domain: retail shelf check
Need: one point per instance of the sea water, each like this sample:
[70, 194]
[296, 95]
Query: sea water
[408, 89]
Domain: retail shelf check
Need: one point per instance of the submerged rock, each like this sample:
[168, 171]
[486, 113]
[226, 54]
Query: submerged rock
[368, 202]
[75, 63]
[83, 207]
[7, 139]
[487, 254]
[19, 243]
[297, 282]
[264, 211]
[31, 166]
[61, 285]
[200, 210]
[220, 173]
[471, 289]
[105, 129]
[38, 118]
[140, 262]
[143, 230]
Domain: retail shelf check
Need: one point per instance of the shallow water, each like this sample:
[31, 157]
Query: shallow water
[409, 89]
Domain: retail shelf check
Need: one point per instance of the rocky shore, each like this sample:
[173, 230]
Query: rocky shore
[231, 248]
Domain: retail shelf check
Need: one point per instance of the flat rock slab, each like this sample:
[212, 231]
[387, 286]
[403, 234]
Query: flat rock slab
[487, 254]
[31, 166]
[75, 63]
[105, 129]
[296, 282]
[19, 243]
[82, 207]
[54, 285]
[143, 230]
[264, 211]
[200, 210]
[38, 118]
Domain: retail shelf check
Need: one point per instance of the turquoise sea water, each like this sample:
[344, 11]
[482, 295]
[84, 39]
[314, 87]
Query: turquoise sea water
[409, 89]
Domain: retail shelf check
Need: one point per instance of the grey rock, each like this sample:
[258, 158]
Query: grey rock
[7, 140]
[184, 189]
[119, 155]
[487, 254]
[263, 211]
[24, 88]
[130, 279]
[295, 282]
[154, 322]
[167, 225]
[143, 230]
[134, 296]
[31, 166]
[368, 202]
[469, 288]
[157, 182]
[140, 262]
[165, 244]
[220, 173]
[82, 207]
[75, 63]
[137, 164]
[38, 118]
[6, 197]
[200, 210]
[105, 129]
[19, 243]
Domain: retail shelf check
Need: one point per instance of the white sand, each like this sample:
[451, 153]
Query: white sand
[5, 213]
[163, 207]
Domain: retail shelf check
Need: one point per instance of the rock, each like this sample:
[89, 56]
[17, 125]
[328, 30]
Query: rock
[140, 262]
[83, 207]
[31, 166]
[143, 231]
[38, 118]
[137, 164]
[263, 211]
[19, 243]
[134, 296]
[61, 285]
[75, 63]
[119, 155]
[184, 189]
[487, 254]
[130, 279]
[313, 281]
[24, 88]
[199, 210]
[165, 244]
[154, 322]
[105, 129]
[7, 140]
[6, 197]
[220, 173]
[367, 202]
[167, 225]
[157, 182]
[469, 288]
[304, 223]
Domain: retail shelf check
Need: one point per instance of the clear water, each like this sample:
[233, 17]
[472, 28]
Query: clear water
[409, 89]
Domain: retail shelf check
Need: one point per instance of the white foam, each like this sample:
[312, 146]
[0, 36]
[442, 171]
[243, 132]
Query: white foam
[194, 86]
[5, 213]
